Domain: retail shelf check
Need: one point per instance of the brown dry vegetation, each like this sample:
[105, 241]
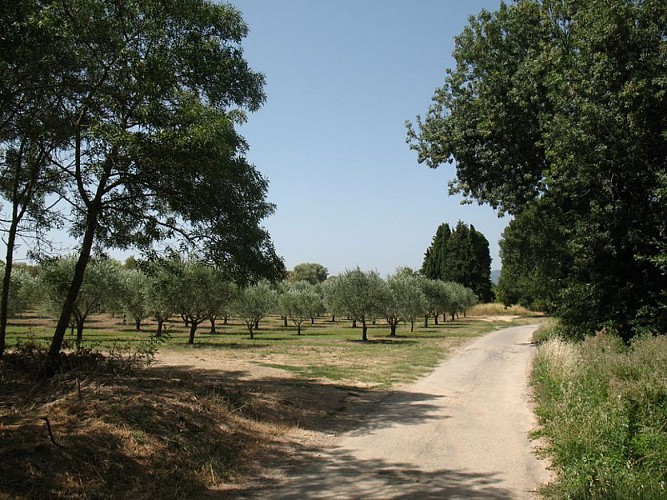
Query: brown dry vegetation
[199, 422]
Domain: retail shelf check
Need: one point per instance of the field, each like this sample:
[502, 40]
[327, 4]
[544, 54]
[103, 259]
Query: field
[215, 417]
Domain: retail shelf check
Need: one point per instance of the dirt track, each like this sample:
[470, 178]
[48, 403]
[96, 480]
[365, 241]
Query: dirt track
[461, 432]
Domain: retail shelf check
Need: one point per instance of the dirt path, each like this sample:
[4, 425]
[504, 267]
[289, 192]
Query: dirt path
[461, 432]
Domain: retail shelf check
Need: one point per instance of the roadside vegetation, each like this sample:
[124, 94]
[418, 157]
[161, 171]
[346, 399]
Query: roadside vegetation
[603, 409]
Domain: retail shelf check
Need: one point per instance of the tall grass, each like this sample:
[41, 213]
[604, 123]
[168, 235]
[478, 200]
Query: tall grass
[496, 309]
[603, 409]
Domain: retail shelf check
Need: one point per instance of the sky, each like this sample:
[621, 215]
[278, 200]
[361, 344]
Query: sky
[342, 78]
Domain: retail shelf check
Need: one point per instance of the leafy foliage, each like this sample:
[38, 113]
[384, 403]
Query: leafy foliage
[562, 105]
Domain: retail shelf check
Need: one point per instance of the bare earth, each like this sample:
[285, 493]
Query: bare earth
[461, 432]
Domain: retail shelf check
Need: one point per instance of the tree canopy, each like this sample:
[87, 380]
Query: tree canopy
[562, 105]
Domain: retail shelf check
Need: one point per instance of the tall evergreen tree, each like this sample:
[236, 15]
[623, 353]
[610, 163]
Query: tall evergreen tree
[461, 256]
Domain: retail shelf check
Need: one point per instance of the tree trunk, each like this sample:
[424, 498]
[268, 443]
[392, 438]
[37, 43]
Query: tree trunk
[257, 325]
[193, 329]
[298, 328]
[158, 332]
[79, 334]
[412, 326]
[435, 319]
[285, 321]
[213, 331]
[426, 321]
[364, 331]
[6, 280]
[354, 323]
[250, 329]
[137, 324]
[72, 292]
[392, 326]
[312, 321]
[224, 319]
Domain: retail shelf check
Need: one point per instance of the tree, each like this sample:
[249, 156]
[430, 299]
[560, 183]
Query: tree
[361, 295]
[158, 89]
[254, 303]
[134, 296]
[221, 296]
[563, 105]
[194, 282]
[461, 256]
[163, 290]
[299, 303]
[31, 128]
[102, 284]
[535, 262]
[311, 272]
[405, 300]
[22, 292]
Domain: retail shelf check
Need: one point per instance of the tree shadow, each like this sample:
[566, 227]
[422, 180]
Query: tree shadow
[337, 474]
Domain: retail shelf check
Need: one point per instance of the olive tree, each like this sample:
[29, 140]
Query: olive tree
[101, 286]
[361, 295]
[300, 302]
[254, 303]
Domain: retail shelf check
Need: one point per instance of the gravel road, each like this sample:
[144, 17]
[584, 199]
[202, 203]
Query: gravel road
[461, 432]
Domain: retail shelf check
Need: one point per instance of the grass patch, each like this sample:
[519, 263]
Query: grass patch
[603, 408]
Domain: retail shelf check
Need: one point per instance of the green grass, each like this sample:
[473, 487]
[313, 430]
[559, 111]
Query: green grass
[603, 407]
[325, 350]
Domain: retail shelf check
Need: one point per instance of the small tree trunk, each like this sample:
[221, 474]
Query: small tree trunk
[213, 331]
[225, 318]
[257, 325]
[435, 319]
[298, 328]
[193, 329]
[392, 326]
[412, 326]
[364, 331]
[250, 325]
[354, 323]
[312, 320]
[158, 332]
[137, 324]
[284, 320]
[79, 333]
[426, 321]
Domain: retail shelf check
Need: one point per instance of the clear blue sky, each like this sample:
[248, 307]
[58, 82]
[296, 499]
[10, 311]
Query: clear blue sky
[343, 76]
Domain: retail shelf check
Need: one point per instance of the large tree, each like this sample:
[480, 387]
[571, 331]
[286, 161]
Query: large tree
[157, 90]
[460, 255]
[563, 104]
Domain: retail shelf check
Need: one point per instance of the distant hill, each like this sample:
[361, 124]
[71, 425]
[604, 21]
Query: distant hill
[494, 276]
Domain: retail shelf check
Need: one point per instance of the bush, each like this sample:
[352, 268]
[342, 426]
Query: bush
[603, 407]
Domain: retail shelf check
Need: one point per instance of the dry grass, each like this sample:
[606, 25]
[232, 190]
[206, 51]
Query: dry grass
[495, 309]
